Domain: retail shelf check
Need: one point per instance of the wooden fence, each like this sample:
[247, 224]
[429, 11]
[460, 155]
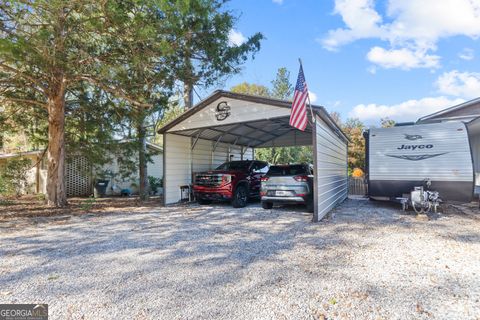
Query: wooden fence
[357, 186]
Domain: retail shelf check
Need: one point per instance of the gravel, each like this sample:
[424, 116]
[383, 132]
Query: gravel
[368, 261]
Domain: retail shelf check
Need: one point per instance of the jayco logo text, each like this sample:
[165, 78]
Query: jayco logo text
[415, 146]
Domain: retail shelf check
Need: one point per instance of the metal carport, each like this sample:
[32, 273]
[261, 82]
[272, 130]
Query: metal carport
[227, 124]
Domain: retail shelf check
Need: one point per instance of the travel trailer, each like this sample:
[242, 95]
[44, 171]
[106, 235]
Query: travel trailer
[403, 157]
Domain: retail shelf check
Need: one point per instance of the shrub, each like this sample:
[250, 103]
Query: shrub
[13, 176]
[154, 183]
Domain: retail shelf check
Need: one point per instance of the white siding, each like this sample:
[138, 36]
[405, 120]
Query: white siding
[331, 174]
[155, 168]
[448, 144]
[177, 166]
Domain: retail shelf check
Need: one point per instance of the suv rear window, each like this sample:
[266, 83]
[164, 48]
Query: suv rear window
[292, 170]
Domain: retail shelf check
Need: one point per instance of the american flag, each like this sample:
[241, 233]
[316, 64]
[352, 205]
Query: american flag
[298, 115]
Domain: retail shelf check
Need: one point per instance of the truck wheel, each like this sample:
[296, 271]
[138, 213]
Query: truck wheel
[204, 201]
[267, 205]
[240, 197]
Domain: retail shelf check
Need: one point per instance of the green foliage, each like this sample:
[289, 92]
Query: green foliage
[13, 176]
[199, 31]
[253, 89]
[112, 66]
[353, 128]
[387, 122]
[6, 202]
[88, 204]
[285, 155]
[40, 196]
[281, 86]
[155, 183]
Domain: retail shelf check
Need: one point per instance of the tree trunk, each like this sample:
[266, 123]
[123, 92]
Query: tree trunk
[142, 161]
[188, 95]
[56, 194]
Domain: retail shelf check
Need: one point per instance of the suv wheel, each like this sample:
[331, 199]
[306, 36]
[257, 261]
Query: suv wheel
[240, 197]
[267, 205]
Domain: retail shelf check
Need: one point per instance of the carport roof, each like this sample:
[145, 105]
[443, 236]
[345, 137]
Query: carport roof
[274, 131]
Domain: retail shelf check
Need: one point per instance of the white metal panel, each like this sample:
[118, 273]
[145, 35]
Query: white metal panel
[331, 176]
[240, 111]
[202, 156]
[220, 155]
[177, 150]
[440, 152]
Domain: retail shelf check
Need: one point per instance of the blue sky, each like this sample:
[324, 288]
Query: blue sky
[364, 58]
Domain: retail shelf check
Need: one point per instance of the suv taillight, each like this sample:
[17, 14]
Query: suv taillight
[301, 178]
[264, 178]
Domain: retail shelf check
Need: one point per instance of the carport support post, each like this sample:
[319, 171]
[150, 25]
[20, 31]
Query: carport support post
[315, 170]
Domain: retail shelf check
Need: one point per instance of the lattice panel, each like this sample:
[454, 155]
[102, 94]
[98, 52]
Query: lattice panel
[78, 181]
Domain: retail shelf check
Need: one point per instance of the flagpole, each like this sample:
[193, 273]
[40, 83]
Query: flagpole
[308, 95]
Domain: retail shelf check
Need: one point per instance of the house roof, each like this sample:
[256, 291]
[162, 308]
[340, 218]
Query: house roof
[319, 110]
[20, 154]
[36, 152]
[467, 110]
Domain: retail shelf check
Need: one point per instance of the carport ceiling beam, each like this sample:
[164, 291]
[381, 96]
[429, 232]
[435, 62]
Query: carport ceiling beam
[197, 137]
[217, 142]
[245, 150]
[264, 131]
[222, 133]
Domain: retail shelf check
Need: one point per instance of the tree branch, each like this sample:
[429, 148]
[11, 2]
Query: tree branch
[116, 92]
[34, 102]
[18, 72]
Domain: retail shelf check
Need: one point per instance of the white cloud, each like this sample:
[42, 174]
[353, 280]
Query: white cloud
[312, 96]
[236, 38]
[466, 54]
[412, 24]
[278, 1]
[361, 20]
[409, 110]
[460, 84]
[402, 58]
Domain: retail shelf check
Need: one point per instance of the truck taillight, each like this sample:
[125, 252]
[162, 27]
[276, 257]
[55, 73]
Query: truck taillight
[227, 178]
[264, 178]
[301, 178]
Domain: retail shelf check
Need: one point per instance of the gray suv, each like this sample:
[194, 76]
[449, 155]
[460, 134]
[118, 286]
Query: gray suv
[291, 183]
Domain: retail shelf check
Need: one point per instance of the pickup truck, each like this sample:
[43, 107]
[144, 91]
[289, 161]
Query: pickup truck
[234, 181]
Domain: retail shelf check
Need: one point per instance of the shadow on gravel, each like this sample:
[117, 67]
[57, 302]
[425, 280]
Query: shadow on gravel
[217, 243]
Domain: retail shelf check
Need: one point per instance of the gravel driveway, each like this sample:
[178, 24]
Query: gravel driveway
[370, 261]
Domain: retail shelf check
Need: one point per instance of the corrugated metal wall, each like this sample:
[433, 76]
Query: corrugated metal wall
[178, 149]
[177, 165]
[331, 176]
[447, 157]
